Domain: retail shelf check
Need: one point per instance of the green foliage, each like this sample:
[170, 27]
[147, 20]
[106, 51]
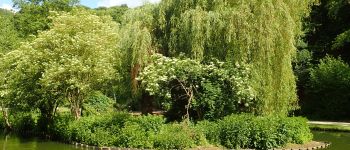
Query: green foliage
[150, 132]
[137, 46]
[296, 130]
[329, 25]
[116, 12]
[328, 95]
[148, 123]
[33, 15]
[247, 131]
[100, 131]
[341, 40]
[260, 33]
[67, 61]
[9, 39]
[23, 123]
[133, 135]
[175, 136]
[97, 103]
[212, 90]
[60, 127]
[210, 130]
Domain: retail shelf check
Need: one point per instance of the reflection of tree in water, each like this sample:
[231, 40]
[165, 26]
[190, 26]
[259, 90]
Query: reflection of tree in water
[4, 145]
[339, 140]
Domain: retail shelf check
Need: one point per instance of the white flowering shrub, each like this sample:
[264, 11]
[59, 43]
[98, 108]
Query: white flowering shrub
[206, 91]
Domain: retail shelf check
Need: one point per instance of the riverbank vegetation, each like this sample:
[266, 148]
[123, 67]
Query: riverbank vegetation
[222, 71]
[147, 132]
[331, 127]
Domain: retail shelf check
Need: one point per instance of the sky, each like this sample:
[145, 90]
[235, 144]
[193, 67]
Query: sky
[7, 4]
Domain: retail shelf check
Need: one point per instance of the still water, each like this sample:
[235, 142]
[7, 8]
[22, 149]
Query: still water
[339, 140]
[12, 142]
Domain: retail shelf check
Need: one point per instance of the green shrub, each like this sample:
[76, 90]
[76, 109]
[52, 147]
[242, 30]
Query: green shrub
[248, 131]
[96, 104]
[296, 130]
[149, 123]
[60, 129]
[100, 130]
[210, 131]
[103, 137]
[217, 88]
[23, 122]
[147, 132]
[135, 136]
[235, 131]
[174, 136]
[328, 95]
[264, 133]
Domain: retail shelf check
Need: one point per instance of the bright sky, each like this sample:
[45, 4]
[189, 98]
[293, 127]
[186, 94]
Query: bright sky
[7, 4]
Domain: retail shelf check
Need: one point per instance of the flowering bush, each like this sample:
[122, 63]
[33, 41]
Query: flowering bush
[201, 91]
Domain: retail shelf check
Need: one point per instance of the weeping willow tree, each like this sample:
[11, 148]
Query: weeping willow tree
[261, 33]
[137, 45]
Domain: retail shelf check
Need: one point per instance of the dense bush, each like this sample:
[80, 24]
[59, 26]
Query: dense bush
[98, 130]
[328, 95]
[96, 104]
[296, 130]
[122, 130]
[176, 136]
[151, 132]
[210, 130]
[23, 123]
[60, 127]
[248, 131]
[211, 90]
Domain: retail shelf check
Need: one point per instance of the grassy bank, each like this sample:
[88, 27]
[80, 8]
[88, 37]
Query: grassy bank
[323, 127]
[153, 132]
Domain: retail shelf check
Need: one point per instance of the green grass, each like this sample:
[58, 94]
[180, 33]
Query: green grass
[322, 127]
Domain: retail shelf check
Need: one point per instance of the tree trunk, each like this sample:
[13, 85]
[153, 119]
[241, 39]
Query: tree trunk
[146, 103]
[6, 118]
[75, 99]
[134, 72]
[76, 110]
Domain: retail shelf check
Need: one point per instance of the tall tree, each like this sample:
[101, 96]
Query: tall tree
[256, 32]
[9, 40]
[33, 15]
[329, 31]
[116, 12]
[8, 35]
[65, 62]
[137, 46]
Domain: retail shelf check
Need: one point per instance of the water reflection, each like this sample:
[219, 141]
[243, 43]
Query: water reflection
[339, 140]
[12, 142]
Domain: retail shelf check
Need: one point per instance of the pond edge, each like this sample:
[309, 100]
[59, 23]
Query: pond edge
[324, 145]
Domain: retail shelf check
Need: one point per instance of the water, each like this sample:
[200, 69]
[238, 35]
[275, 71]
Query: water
[12, 142]
[339, 140]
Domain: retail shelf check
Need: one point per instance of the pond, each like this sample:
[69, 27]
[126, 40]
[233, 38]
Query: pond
[12, 142]
[339, 140]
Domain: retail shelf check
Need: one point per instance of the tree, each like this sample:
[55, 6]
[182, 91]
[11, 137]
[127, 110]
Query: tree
[9, 39]
[327, 91]
[137, 46]
[188, 89]
[260, 33]
[33, 15]
[67, 61]
[329, 26]
[116, 12]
